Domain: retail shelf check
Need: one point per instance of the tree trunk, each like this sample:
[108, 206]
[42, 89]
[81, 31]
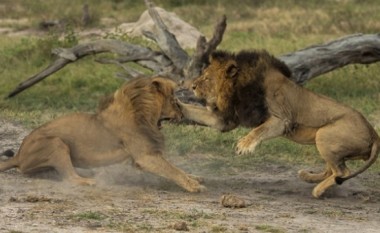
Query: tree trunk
[315, 60]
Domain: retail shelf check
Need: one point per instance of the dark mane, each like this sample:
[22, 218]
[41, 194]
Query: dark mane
[248, 105]
[258, 59]
[222, 56]
[261, 60]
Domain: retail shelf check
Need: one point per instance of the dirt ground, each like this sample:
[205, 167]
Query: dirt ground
[128, 200]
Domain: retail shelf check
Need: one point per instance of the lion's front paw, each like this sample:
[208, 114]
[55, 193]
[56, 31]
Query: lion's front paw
[197, 178]
[198, 188]
[201, 189]
[194, 186]
[246, 145]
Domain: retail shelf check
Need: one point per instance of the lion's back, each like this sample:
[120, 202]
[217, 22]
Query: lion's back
[80, 131]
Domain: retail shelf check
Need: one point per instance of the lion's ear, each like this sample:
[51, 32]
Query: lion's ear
[159, 86]
[156, 84]
[232, 69]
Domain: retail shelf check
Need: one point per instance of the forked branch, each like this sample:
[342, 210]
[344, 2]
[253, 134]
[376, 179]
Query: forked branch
[203, 50]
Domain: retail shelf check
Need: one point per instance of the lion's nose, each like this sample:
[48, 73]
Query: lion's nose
[194, 86]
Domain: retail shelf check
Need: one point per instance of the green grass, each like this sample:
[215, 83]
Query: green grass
[89, 215]
[268, 228]
[280, 26]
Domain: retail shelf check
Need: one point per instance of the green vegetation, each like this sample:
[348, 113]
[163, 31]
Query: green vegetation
[218, 229]
[280, 26]
[268, 228]
[89, 215]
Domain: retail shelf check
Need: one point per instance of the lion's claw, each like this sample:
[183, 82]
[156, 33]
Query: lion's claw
[197, 188]
[245, 146]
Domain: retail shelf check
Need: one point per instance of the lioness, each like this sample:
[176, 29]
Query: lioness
[126, 126]
[253, 89]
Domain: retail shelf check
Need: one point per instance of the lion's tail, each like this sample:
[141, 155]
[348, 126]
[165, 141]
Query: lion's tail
[372, 158]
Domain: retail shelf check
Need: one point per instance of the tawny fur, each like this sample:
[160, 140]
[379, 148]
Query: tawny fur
[125, 127]
[252, 88]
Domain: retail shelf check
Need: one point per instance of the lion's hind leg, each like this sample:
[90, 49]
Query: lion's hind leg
[335, 163]
[335, 147]
[51, 152]
[158, 165]
[337, 171]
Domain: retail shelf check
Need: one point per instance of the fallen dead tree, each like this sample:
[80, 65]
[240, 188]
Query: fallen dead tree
[173, 61]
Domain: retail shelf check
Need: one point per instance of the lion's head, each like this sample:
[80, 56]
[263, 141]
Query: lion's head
[232, 85]
[143, 103]
[169, 108]
[148, 99]
[216, 77]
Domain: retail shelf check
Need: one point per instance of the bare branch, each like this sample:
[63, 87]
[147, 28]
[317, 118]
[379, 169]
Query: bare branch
[166, 40]
[217, 36]
[131, 72]
[200, 58]
[66, 56]
[57, 65]
[131, 58]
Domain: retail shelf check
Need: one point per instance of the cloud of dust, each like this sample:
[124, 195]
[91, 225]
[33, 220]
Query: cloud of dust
[128, 175]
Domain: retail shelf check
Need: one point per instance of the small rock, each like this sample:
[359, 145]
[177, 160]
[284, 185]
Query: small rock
[243, 228]
[13, 199]
[180, 226]
[94, 225]
[232, 201]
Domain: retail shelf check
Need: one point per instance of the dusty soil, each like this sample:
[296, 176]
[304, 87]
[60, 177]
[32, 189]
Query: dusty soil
[128, 200]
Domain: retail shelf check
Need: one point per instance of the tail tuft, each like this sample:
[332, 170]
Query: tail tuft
[339, 180]
[8, 153]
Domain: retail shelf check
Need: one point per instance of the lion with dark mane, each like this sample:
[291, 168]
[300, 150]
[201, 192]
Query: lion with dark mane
[125, 127]
[253, 89]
